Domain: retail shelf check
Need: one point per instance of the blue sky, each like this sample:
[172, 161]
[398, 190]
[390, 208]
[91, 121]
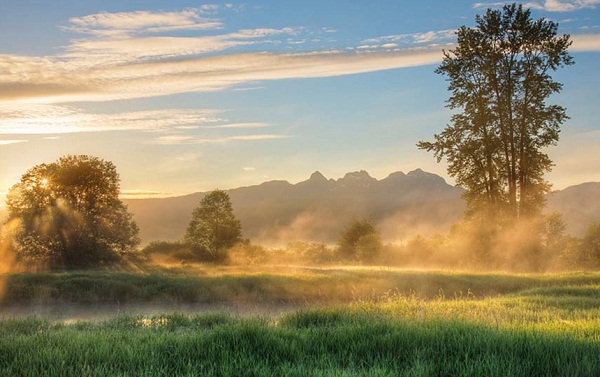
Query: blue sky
[187, 96]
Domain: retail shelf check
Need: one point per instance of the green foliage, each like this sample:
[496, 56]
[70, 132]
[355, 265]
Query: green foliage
[500, 79]
[360, 240]
[213, 228]
[590, 245]
[585, 252]
[245, 253]
[68, 214]
[168, 252]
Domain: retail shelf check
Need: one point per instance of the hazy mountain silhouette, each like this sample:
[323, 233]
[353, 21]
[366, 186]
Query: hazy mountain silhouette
[278, 212]
[402, 205]
[579, 206]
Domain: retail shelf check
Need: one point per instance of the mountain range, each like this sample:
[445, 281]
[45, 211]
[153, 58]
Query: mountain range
[316, 210]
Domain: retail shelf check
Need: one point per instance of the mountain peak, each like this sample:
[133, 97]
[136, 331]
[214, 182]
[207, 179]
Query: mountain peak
[356, 179]
[358, 176]
[419, 173]
[317, 177]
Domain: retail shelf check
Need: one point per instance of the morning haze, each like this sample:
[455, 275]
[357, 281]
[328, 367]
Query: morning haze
[442, 216]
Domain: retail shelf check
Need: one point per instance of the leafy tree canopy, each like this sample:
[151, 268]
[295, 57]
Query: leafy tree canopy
[214, 228]
[68, 214]
[360, 240]
[500, 80]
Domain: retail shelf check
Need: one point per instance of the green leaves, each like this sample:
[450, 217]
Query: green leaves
[499, 79]
[213, 227]
[69, 213]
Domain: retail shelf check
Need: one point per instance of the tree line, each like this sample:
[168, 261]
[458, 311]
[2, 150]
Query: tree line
[500, 81]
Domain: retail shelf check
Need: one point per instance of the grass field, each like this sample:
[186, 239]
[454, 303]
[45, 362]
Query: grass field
[348, 321]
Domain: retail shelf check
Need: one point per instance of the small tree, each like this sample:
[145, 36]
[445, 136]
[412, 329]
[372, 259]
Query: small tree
[213, 228]
[590, 246]
[68, 213]
[360, 240]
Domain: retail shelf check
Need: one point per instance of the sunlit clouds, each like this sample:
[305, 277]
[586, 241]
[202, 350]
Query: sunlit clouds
[392, 41]
[172, 126]
[57, 81]
[120, 56]
[590, 42]
[125, 24]
[35, 119]
[135, 55]
[184, 96]
[8, 142]
[548, 5]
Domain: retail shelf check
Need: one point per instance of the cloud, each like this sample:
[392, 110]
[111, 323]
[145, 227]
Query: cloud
[143, 194]
[117, 51]
[409, 39]
[192, 140]
[548, 5]
[257, 137]
[135, 54]
[118, 59]
[248, 88]
[434, 36]
[248, 168]
[172, 126]
[9, 142]
[59, 81]
[127, 23]
[585, 42]
[242, 125]
[44, 119]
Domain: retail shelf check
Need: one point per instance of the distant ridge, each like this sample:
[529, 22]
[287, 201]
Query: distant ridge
[402, 205]
[277, 212]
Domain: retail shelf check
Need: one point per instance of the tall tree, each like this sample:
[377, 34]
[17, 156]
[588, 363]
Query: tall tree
[68, 213]
[213, 228]
[499, 77]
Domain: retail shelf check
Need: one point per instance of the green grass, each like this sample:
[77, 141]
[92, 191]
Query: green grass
[270, 284]
[427, 324]
[383, 339]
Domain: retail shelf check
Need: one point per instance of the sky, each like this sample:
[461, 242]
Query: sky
[186, 96]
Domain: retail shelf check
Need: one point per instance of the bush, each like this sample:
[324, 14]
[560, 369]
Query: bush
[585, 252]
[169, 252]
[245, 253]
[360, 240]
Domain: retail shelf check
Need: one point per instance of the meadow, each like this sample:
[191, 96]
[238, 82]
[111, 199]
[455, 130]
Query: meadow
[342, 321]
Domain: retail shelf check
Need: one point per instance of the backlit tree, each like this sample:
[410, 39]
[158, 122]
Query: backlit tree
[500, 81]
[68, 213]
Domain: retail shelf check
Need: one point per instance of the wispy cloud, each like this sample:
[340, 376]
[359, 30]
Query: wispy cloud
[191, 140]
[9, 142]
[548, 5]
[43, 119]
[429, 37]
[434, 36]
[135, 55]
[57, 81]
[585, 42]
[132, 50]
[132, 194]
[141, 22]
[241, 125]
